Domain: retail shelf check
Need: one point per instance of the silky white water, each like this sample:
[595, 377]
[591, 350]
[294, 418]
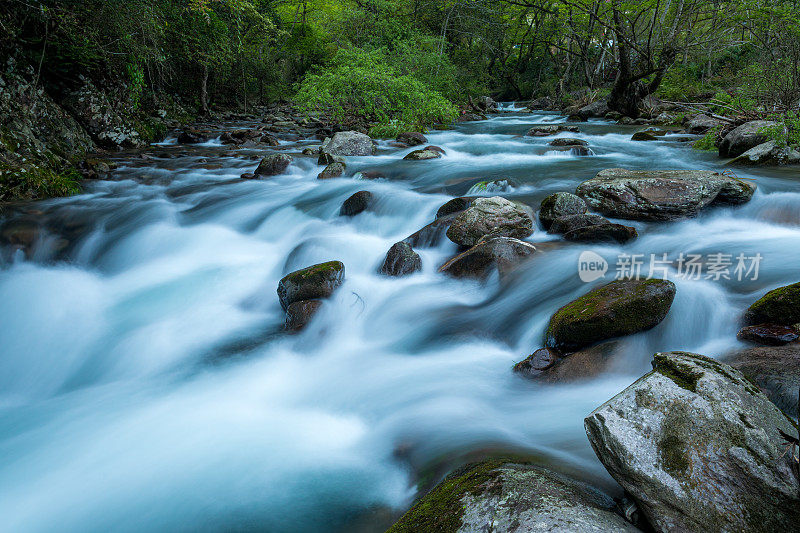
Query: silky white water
[146, 385]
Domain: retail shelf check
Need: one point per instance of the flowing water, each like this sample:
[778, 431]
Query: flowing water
[145, 383]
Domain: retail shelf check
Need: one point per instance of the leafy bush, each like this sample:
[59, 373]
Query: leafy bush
[361, 86]
[786, 132]
[708, 141]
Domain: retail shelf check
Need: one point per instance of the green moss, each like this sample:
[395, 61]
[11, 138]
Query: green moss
[707, 142]
[320, 271]
[441, 510]
[683, 374]
[778, 306]
[33, 182]
[674, 455]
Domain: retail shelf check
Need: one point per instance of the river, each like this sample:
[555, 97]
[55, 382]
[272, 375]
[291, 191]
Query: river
[145, 383]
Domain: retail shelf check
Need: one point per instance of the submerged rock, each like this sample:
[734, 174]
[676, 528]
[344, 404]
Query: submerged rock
[622, 307]
[401, 260]
[429, 152]
[454, 206]
[743, 138]
[299, 314]
[273, 164]
[310, 283]
[506, 497]
[698, 448]
[567, 141]
[334, 170]
[552, 129]
[775, 369]
[432, 234]
[606, 232]
[412, 138]
[357, 203]
[778, 306]
[349, 143]
[768, 334]
[490, 217]
[501, 253]
[585, 364]
[643, 136]
[560, 204]
[567, 223]
[661, 194]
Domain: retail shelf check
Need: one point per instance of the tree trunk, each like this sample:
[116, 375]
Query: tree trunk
[204, 92]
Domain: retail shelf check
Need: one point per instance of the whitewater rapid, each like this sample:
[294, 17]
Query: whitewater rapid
[145, 383]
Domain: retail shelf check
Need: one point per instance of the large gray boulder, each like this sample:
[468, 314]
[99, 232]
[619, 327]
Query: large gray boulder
[743, 138]
[508, 497]
[661, 194]
[622, 307]
[273, 164]
[768, 153]
[699, 124]
[310, 283]
[501, 253]
[349, 143]
[698, 447]
[595, 109]
[490, 217]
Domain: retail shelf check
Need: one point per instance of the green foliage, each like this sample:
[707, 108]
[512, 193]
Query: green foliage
[786, 132]
[31, 182]
[708, 141]
[361, 85]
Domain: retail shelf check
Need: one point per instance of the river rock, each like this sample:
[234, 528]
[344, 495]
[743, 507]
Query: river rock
[454, 206]
[775, 369]
[412, 138]
[432, 234]
[768, 153]
[310, 283]
[326, 159]
[349, 143]
[607, 232]
[565, 224]
[585, 364]
[567, 141]
[596, 109]
[560, 204]
[502, 253]
[273, 164]
[500, 496]
[421, 155]
[643, 136]
[401, 260]
[778, 306]
[494, 217]
[550, 129]
[334, 170]
[492, 186]
[661, 194]
[299, 314]
[698, 448]
[700, 124]
[743, 138]
[768, 334]
[622, 307]
[536, 363]
[191, 136]
[357, 203]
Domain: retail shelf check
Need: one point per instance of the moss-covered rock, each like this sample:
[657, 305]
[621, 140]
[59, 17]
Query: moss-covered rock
[619, 308]
[274, 164]
[698, 447]
[778, 306]
[401, 260]
[421, 155]
[311, 283]
[505, 497]
[334, 170]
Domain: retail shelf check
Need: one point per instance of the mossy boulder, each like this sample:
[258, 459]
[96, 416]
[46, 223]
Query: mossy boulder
[333, 170]
[401, 260]
[744, 137]
[504, 497]
[622, 307]
[560, 204]
[699, 448]
[310, 283]
[567, 141]
[412, 138]
[490, 217]
[567, 223]
[421, 155]
[274, 164]
[643, 136]
[661, 194]
[778, 306]
[299, 314]
[499, 253]
[454, 206]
